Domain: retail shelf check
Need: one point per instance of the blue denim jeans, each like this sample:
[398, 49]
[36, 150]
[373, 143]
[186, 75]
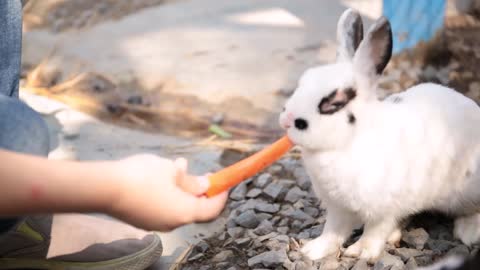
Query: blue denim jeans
[21, 129]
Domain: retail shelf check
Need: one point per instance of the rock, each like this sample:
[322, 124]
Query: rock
[299, 265]
[274, 190]
[299, 204]
[269, 259]
[235, 204]
[361, 265]
[263, 216]
[275, 219]
[222, 265]
[267, 236]
[416, 238]
[239, 192]
[425, 259]
[222, 236]
[289, 164]
[263, 180]
[316, 231]
[387, 260]
[312, 211]
[275, 169]
[329, 263]
[461, 250]
[222, 256]
[266, 207]
[282, 230]
[407, 253]
[218, 118]
[304, 235]
[247, 219]
[253, 193]
[441, 246]
[249, 204]
[282, 239]
[205, 267]
[283, 222]
[295, 255]
[297, 214]
[232, 268]
[235, 232]
[294, 194]
[202, 246]
[411, 264]
[196, 257]
[302, 178]
[242, 241]
[265, 227]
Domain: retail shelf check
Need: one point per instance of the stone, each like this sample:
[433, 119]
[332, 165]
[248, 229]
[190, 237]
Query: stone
[242, 241]
[283, 230]
[202, 246]
[294, 194]
[263, 216]
[235, 204]
[302, 178]
[239, 192]
[275, 169]
[266, 207]
[441, 246]
[329, 263]
[411, 264]
[235, 232]
[299, 204]
[269, 259]
[222, 265]
[253, 193]
[196, 257]
[205, 267]
[282, 238]
[283, 222]
[407, 253]
[304, 235]
[287, 183]
[361, 265]
[299, 265]
[222, 236]
[247, 219]
[295, 255]
[416, 238]
[425, 259]
[289, 164]
[312, 211]
[249, 204]
[265, 227]
[222, 256]
[267, 236]
[316, 231]
[263, 180]
[460, 250]
[232, 268]
[274, 190]
[297, 214]
[388, 260]
[275, 219]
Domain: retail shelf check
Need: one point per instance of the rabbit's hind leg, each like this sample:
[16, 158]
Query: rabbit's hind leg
[467, 229]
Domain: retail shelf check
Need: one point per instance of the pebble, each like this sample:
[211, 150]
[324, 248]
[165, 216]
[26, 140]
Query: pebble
[222, 256]
[266, 207]
[416, 238]
[294, 255]
[411, 264]
[387, 260]
[267, 236]
[439, 245]
[274, 190]
[461, 250]
[253, 193]
[263, 180]
[265, 227]
[263, 216]
[235, 232]
[297, 214]
[294, 194]
[196, 257]
[312, 211]
[239, 192]
[407, 253]
[242, 241]
[283, 229]
[361, 265]
[247, 219]
[202, 246]
[269, 259]
[302, 178]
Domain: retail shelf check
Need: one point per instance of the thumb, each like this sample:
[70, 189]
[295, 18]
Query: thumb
[196, 185]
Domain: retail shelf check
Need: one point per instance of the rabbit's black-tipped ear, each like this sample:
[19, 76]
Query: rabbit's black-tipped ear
[349, 34]
[375, 50]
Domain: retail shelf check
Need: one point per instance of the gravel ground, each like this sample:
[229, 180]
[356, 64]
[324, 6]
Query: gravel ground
[271, 216]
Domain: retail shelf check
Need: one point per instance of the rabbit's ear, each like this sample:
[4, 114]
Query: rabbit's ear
[375, 50]
[349, 34]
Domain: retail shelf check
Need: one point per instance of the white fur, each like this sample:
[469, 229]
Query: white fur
[397, 159]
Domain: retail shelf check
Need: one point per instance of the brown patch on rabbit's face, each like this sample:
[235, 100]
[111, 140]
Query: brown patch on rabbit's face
[336, 100]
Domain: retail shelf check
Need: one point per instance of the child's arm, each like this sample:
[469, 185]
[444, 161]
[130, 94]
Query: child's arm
[143, 190]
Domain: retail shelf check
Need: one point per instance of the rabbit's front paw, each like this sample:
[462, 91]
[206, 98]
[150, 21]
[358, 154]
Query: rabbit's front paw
[365, 249]
[467, 229]
[320, 247]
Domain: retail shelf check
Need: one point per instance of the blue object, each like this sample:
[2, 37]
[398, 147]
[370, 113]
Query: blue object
[413, 21]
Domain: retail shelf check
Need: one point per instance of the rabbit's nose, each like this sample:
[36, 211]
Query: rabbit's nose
[287, 121]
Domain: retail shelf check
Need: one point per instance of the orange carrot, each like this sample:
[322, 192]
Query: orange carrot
[248, 167]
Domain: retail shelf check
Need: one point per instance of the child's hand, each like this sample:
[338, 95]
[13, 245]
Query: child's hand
[157, 194]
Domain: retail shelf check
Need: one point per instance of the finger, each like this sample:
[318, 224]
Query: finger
[181, 163]
[207, 209]
[196, 185]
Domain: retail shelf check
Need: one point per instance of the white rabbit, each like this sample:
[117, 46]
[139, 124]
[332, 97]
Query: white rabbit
[374, 163]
